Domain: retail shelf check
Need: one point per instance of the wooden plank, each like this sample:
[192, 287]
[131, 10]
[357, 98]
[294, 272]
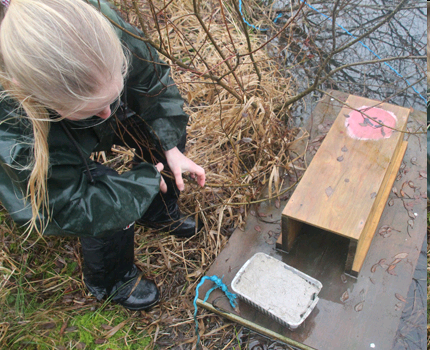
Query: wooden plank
[345, 175]
[322, 255]
[378, 207]
[352, 251]
[290, 230]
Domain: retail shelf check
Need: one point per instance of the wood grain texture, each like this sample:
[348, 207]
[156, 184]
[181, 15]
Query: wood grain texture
[378, 208]
[339, 188]
[335, 324]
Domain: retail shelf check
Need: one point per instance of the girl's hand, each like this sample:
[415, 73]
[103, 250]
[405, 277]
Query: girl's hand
[179, 164]
[163, 186]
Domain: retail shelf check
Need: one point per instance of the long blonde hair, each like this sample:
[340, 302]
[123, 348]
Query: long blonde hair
[55, 55]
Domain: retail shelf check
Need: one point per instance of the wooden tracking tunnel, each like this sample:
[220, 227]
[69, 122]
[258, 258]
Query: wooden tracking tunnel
[346, 186]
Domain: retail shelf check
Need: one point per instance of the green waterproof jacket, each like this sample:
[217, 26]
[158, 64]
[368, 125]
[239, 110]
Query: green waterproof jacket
[111, 202]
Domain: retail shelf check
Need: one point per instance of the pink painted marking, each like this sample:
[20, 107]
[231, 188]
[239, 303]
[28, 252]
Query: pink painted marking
[361, 127]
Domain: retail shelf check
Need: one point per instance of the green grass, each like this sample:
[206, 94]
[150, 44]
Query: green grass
[37, 324]
[90, 327]
[44, 305]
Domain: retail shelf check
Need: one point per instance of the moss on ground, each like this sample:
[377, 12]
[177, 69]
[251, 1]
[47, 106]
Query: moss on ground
[43, 303]
[50, 327]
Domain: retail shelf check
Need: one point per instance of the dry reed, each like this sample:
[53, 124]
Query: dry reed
[238, 132]
[242, 145]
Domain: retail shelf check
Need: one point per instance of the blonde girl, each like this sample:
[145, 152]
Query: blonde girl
[73, 85]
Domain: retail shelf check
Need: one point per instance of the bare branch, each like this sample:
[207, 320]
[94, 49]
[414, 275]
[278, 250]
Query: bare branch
[367, 116]
[278, 33]
[214, 43]
[178, 62]
[369, 62]
[139, 17]
[226, 25]
[248, 41]
[331, 54]
[387, 19]
[333, 24]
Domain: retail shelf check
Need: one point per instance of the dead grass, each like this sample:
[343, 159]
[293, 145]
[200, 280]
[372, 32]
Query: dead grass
[243, 147]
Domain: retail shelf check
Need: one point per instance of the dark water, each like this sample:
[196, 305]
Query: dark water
[404, 35]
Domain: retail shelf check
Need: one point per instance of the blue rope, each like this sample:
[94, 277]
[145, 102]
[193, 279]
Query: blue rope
[367, 47]
[346, 31]
[251, 25]
[218, 284]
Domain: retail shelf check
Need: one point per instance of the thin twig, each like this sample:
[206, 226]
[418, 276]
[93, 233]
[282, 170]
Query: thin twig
[334, 71]
[388, 18]
[177, 61]
[139, 17]
[331, 54]
[367, 116]
[277, 34]
[248, 41]
[333, 24]
[214, 43]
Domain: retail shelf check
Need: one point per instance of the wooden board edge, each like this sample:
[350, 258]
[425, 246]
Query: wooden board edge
[373, 220]
[253, 326]
[290, 229]
[352, 251]
[288, 211]
[279, 241]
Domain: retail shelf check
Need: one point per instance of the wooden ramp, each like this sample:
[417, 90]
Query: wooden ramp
[347, 184]
[352, 313]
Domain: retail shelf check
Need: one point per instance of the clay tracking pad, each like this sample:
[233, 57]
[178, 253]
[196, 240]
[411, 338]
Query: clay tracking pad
[276, 289]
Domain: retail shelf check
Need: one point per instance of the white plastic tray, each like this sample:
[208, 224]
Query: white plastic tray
[277, 289]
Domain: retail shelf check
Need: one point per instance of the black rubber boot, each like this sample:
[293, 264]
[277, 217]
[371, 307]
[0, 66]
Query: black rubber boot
[109, 271]
[171, 220]
[134, 292]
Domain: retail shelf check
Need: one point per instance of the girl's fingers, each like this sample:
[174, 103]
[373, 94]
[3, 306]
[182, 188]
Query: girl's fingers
[201, 176]
[160, 167]
[201, 179]
[179, 181]
[163, 186]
